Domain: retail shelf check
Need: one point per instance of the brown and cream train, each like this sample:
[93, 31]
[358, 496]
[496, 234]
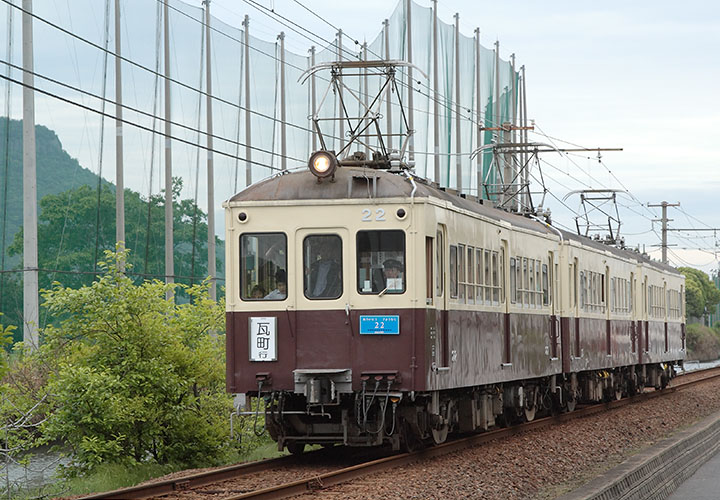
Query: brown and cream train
[369, 307]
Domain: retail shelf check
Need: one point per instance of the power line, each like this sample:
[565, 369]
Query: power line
[128, 122]
[145, 113]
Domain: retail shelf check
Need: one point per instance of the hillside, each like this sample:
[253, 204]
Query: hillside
[57, 172]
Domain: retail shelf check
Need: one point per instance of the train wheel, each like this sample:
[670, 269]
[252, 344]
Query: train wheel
[410, 440]
[530, 413]
[570, 404]
[440, 435]
[296, 448]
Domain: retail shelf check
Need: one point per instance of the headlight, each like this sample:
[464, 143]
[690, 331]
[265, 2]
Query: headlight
[322, 163]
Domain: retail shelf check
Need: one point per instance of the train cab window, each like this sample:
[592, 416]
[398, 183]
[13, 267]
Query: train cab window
[263, 266]
[322, 264]
[381, 262]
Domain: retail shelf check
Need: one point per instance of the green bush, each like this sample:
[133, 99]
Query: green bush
[703, 343]
[137, 378]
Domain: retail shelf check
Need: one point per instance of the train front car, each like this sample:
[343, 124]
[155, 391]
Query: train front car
[321, 306]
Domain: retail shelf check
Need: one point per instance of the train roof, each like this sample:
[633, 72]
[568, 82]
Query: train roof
[366, 183]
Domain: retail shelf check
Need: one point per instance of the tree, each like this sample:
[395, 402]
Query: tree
[701, 294]
[137, 378]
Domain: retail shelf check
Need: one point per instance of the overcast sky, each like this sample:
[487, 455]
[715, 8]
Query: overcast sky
[642, 76]
[638, 75]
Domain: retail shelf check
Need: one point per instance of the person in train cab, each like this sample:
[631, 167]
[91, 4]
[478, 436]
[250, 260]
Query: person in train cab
[257, 292]
[392, 269]
[324, 279]
[280, 291]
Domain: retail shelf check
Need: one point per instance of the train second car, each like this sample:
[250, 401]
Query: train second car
[370, 308]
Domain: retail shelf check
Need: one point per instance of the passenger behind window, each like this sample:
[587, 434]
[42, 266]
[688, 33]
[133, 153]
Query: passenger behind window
[257, 292]
[280, 291]
[393, 279]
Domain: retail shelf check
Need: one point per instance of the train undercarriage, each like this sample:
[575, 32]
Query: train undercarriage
[327, 413]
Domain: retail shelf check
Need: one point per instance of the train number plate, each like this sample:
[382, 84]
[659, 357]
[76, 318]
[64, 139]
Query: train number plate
[380, 325]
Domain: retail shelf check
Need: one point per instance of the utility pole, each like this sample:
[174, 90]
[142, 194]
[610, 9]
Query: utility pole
[30, 240]
[210, 170]
[283, 123]
[410, 86]
[388, 93]
[119, 175]
[248, 135]
[169, 243]
[436, 98]
[664, 221]
[458, 136]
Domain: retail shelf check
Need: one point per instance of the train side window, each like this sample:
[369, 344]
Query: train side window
[496, 279]
[428, 270]
[322, 262]
[513, 281]
[439, 264]
[470, 275]
[501, 273]
[519, 281]
[453, 272]
[488, 279]
[461, 273]
[263, 266]
[583, 289]
[479, 276]
[545, 285]
[381, 262]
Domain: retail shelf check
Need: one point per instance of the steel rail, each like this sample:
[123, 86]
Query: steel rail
[313, 483]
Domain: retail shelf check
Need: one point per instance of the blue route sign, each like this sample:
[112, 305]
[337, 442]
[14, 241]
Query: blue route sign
[380, 325]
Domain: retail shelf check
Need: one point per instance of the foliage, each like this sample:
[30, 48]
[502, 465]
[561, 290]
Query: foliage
[701, 294]
[24, 405]
[703, 343]
[139, 379]
[6, 339]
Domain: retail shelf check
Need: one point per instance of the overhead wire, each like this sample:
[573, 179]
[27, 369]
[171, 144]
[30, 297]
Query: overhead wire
[144, 113]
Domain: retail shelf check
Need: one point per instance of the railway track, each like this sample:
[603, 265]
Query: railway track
[314, 481]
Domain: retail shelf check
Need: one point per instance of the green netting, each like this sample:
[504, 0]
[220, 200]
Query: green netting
[59, 56]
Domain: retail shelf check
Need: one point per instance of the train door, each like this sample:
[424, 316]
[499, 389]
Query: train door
[436, 303]
[549, 287]
[323, 276]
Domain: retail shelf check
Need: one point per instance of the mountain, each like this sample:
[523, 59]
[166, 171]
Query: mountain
[57, 172]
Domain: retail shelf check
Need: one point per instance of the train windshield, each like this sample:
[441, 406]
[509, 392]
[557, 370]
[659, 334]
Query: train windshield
[322, 258]
[263, 265]
[381, 262]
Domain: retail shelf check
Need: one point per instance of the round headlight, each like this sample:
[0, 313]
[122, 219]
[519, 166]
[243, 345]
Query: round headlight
[322, 163]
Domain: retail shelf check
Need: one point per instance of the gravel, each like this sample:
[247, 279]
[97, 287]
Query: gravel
[539, 464]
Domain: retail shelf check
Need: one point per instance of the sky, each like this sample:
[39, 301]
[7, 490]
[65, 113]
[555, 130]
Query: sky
[639, 75]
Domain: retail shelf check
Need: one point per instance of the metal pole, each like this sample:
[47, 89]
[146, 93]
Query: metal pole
[210, 168]
[526, 172]
[169, 244]
[248, 136]
[478, 105]
[30, 240]
[513, 135]
[283, 124]
[312, 100]
[341, 113]
[119, 175]
[366, 91]
[388, 92]
[436, 108]
[664, 220]
[410, 99]
[458, 137]
[496, 105]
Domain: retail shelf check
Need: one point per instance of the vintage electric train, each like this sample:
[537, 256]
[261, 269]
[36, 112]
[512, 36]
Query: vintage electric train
[368, 307]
